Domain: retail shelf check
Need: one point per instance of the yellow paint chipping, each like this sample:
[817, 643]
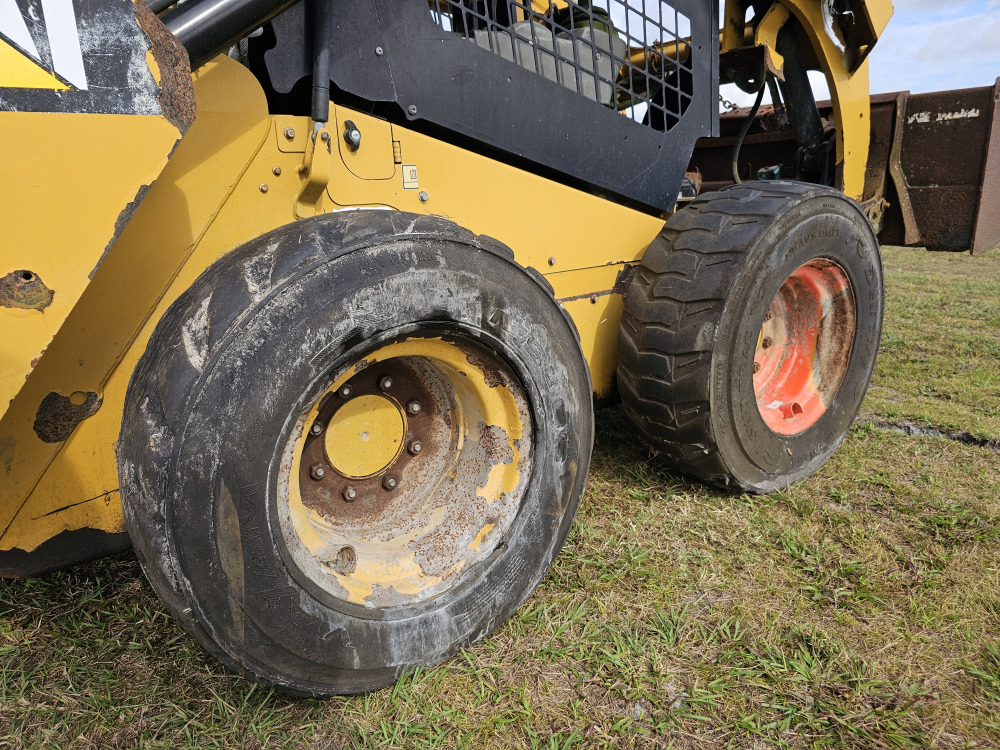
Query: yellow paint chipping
[481, 535]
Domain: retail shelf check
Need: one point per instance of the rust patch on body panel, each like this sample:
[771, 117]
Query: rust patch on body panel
[176, 95]
[58, 415]
[24, 290]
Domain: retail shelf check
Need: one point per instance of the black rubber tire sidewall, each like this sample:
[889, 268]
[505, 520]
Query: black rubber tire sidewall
[822, 227]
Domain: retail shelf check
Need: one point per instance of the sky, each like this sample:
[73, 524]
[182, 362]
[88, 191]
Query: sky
[929, 45]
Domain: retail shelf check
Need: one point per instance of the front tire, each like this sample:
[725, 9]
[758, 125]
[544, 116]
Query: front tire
[750, 333]
[354, 446]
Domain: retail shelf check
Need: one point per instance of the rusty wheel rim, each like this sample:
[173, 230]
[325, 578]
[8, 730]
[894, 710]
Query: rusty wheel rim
[406, 472]
[804, 347]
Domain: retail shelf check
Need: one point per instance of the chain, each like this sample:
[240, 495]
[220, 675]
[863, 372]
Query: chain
[728, 104]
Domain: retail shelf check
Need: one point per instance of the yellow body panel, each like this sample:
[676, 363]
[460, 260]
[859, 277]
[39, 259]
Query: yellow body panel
[85, 169]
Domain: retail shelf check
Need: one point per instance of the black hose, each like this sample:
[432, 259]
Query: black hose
[322, 35]
[744, 128]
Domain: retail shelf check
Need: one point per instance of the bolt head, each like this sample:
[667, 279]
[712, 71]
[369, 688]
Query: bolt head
[413, 407]
[316, 429]
[385, 383]
[324, 136]
[412, 109]
[766, 342]
[317, 472]
[552, 261]
[389, 483]
[276, 171]
[379, 51]
[423, 197]
[768, 315]
[263, 187]
[345, 391]
[415, 447]
[289, 133]
[350, 494]
[756, 367]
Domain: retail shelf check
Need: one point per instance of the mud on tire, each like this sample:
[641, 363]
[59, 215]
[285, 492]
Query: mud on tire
[241, 379]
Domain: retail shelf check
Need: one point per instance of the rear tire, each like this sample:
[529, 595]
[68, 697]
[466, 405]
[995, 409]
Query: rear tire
[724, 394]
[272, 480]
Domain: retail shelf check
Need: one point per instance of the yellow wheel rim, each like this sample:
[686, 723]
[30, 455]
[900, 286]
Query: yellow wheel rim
[407, 471]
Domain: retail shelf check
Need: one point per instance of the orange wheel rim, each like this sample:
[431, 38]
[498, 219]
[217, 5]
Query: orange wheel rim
[804, 347]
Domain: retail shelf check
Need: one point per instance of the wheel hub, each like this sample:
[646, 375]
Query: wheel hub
[364, 436]
[804, 346]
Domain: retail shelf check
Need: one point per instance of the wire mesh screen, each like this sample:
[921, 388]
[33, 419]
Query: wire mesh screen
[633, 56]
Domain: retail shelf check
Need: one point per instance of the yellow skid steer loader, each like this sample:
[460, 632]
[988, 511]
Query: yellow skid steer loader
[311, 303]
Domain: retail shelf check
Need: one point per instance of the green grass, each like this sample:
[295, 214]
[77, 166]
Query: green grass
[859, 608]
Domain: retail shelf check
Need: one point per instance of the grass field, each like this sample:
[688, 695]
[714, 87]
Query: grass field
[859, 608]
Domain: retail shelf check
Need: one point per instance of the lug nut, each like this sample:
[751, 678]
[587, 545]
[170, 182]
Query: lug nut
[756, 367]
[317, 472]
[344, 391]
[385, 383]
[413, 407]
[316, 429]
[766, 343]
[768, 315]
[350, 494]
[389, 483]
[415, 447]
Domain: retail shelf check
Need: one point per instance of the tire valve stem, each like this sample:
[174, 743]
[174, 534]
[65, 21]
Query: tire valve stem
[317, 472]
[385, 383]
[415, 447]
[413, 407]
[350, 494]
[389, 483]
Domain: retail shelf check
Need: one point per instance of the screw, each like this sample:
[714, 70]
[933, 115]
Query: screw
[263, 187]
[412, 109]
[413, 407]
[552, 261]
[389, 483]
[317, 472]
[344, 391]
[766, 343]
[350, 494]
[415, 447]
[756, 367]
[385, 383]
[289, 133]
[423, 197]
[379, 51]
[324, 136]
[276, 171]
[316, 429]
